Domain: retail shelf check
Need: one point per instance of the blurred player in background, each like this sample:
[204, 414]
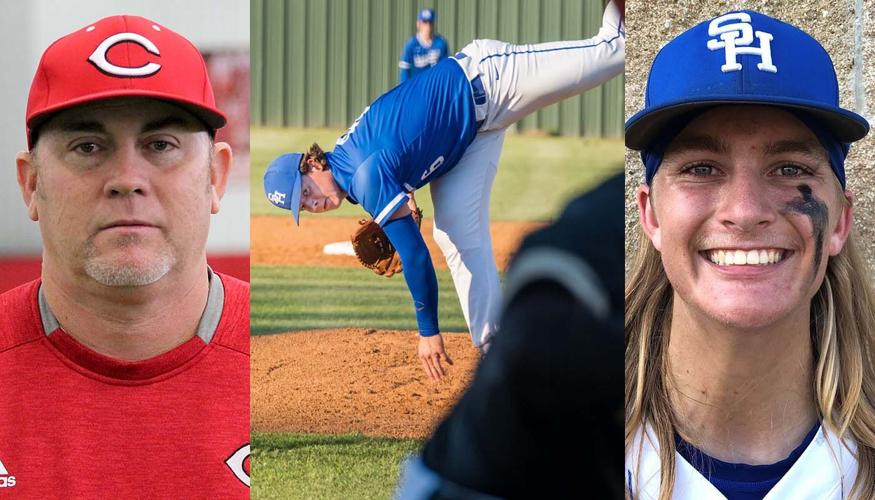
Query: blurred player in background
[424, 49]
[125, 367]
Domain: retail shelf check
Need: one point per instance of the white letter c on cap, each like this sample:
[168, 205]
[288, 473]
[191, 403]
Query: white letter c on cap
[98, 57]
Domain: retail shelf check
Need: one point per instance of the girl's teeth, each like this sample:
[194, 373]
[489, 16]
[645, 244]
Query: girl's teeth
[745, 258]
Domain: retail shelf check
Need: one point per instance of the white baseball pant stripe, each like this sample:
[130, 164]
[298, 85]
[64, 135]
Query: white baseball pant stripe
[518, 80]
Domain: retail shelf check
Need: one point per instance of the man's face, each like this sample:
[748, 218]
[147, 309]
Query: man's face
[425, 28]
[745, 211]
[122, 189]
[319, 192]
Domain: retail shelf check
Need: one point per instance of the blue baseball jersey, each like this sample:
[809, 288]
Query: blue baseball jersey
[408, 137]
[416, 57]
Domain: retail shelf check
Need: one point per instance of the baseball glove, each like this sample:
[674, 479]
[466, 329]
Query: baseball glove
[373, 248]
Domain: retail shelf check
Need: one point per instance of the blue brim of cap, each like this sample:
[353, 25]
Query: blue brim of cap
[643, 127]
[295, 207]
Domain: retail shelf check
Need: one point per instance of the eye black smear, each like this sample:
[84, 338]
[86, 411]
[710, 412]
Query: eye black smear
[816, 210]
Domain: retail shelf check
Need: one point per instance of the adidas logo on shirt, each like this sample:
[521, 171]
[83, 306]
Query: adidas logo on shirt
[6, 480]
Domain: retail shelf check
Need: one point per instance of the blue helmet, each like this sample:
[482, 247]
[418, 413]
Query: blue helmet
[282, 183]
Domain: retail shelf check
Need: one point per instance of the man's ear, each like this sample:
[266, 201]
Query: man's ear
[647, 214]
[27, 182]
[839, 235]
[221, 166]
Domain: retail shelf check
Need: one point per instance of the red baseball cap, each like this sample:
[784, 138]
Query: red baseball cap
[121, 56]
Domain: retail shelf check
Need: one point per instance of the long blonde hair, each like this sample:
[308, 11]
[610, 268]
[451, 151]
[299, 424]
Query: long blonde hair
[843, 315]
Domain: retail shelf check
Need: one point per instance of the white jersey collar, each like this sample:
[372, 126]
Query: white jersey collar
[825, 470]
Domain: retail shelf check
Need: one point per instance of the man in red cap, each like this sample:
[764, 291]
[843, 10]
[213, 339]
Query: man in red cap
[125, 367]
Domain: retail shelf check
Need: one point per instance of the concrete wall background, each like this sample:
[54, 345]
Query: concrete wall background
[846, 28]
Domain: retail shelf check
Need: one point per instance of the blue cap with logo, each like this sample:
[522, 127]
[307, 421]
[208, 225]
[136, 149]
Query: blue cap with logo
[742, 57]
[426, 16]
[282, 183]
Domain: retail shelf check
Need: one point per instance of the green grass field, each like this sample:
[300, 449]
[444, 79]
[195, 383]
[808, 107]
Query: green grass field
[306, 298]
[306, 466]
[536, 177]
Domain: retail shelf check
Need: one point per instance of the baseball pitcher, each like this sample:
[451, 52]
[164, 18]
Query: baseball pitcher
[445, 128]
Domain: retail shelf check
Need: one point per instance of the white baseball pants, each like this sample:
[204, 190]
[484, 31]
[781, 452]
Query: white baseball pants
[517, 80]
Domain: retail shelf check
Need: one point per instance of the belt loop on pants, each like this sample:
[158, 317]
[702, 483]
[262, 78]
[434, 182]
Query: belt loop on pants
[479, 100]
[478, 92]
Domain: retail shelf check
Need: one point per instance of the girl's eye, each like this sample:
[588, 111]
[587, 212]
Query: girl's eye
[790, 170]
[700, 170]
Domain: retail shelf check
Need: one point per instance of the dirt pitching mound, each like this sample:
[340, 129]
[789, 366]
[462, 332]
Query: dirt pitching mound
[353, 380]
[277, 241]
